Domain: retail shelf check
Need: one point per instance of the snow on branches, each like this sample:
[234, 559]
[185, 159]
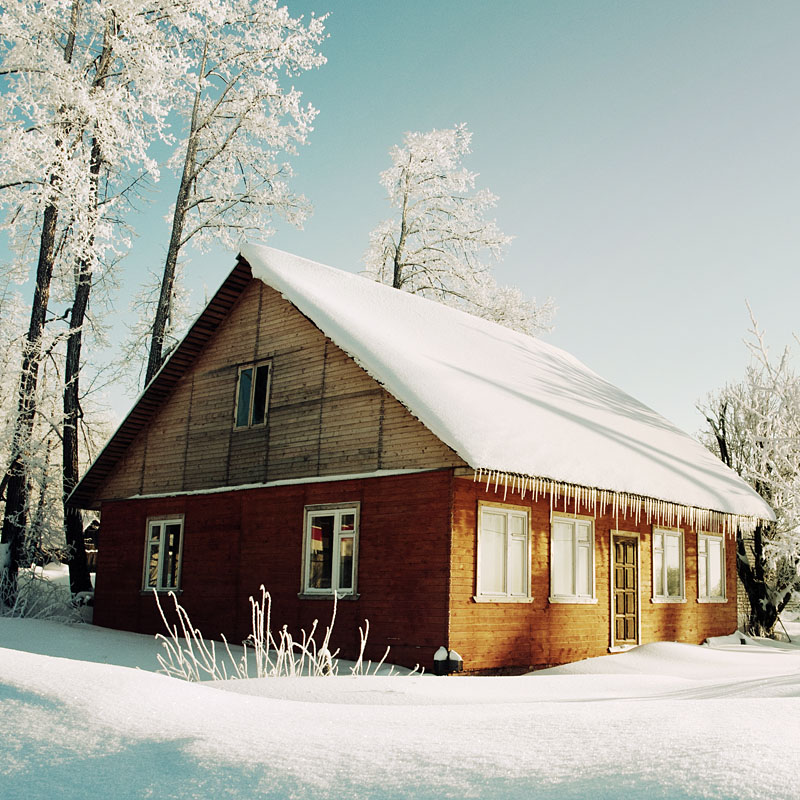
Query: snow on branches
[754, 427]
[439, 242]
[240, 121]
[240, 125]
[85, 82]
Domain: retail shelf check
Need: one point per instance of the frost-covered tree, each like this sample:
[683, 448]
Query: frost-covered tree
[439, 243]
[84, 90]
[754, 427]
[44, 531]
[241, 122]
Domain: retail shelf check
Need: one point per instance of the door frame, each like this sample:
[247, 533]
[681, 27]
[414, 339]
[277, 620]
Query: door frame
[620, 534]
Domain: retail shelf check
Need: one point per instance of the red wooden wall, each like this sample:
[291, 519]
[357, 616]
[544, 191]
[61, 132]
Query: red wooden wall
[235, 541]
[417, 554]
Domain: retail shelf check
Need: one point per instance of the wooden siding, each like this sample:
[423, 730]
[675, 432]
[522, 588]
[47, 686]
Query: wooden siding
[326, 416]
[519, 636]
[235, 541]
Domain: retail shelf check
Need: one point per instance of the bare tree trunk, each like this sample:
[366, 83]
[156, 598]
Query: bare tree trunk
[166, 296]
[16, 509]
[398, 279]
[79, 580]
[764, 613]
[15, 514]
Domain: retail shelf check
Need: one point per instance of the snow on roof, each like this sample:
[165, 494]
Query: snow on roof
[502, 400]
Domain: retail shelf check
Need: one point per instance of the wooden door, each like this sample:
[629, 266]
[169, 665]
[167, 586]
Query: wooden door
[626, 591]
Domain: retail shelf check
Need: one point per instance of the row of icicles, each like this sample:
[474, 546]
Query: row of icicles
[661, 512]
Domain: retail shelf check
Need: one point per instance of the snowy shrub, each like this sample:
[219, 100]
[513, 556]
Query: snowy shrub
[189, 656]
[39, 596]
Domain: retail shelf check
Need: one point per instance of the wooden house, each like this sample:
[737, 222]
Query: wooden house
[456, 483]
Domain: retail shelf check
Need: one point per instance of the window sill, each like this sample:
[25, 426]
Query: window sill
[149, 592]
[667, 599]
[712, 599]
[575, 600]
[621, 648]
[482, 598]
[329, 596]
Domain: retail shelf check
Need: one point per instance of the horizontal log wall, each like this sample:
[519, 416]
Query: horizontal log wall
[326, 415]
[235, 541]
[493, 636]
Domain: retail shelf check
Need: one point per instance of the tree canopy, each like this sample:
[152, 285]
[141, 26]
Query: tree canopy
[440, 242]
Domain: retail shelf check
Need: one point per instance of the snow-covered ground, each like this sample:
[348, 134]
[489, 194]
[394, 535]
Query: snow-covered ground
[82, 714]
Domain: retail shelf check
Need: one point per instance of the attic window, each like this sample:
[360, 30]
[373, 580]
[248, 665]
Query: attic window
[252, 395]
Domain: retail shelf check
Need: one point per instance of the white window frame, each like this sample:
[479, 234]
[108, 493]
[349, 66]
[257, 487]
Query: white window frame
[336, 510]
[674, 533]
[160, 524]
[704, 564]
[507, 596]
[254, 366]
[575, 521]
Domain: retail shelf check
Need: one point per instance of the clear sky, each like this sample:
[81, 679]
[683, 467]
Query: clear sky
[646, 155]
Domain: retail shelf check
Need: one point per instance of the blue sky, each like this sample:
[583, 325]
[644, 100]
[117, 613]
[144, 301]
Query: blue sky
[646, 156]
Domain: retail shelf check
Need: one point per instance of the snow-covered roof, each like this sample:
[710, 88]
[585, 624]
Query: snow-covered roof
[502, 400]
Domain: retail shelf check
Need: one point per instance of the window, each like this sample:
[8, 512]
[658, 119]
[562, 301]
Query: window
[162, 566]
[503, 553]
[572, 560]
[252, 395]
[668, 565]
[331, 550]
[710, 567]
